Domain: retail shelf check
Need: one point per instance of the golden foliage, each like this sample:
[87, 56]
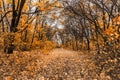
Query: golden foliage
[111, 33]
[117, 20]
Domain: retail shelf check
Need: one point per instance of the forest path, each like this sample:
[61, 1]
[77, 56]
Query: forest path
[62, 64]
[63, 54]
[58, 64]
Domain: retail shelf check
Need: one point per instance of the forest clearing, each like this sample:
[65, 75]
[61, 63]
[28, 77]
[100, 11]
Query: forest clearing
[59, 39]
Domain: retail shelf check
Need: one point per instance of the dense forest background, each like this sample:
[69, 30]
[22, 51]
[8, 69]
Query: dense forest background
[79, 25]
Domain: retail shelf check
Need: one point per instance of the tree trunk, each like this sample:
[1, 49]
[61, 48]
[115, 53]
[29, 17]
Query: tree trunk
[16, 13]
[8, 46]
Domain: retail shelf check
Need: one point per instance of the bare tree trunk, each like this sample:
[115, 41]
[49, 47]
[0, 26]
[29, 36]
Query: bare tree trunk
[2, 25]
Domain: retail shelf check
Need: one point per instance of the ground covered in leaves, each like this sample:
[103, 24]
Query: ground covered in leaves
[59, 64]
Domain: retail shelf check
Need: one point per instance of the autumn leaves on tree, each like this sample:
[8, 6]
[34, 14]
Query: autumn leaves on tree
[23, 23]
[79, 25]
[28, 24]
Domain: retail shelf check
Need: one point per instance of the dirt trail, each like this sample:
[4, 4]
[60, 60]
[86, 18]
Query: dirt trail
[59, 64]
[60, 53]
[62, 64]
